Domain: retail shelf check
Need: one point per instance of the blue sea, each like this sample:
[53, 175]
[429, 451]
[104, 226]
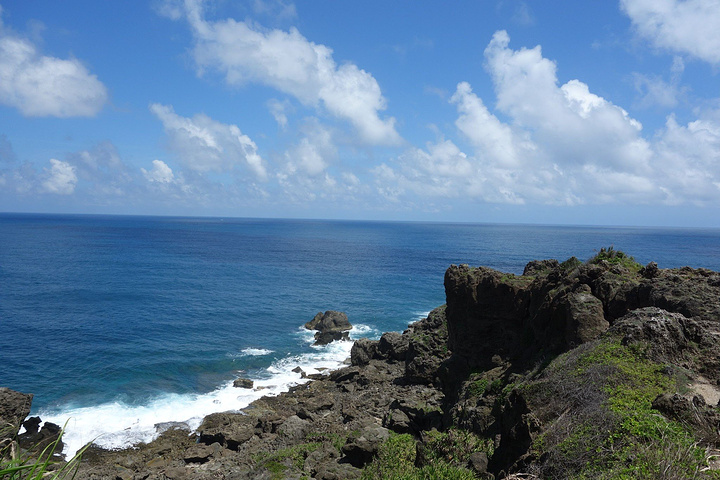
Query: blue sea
[118, 324]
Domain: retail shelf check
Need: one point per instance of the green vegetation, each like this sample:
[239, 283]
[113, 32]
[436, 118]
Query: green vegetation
[278, 462]
[31, 466]
[570, 264]
[517, 280]
[614, 432]
[615, 257]
[442, 456]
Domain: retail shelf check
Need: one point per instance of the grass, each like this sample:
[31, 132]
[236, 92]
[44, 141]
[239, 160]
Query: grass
[443, 457]
[278, 462]
[44, 466]
[615, 257]
[613, 432]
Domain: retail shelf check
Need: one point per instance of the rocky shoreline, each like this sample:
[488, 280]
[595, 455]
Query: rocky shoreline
[571, 370]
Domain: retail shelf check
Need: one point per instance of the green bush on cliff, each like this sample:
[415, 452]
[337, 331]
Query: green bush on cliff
[396, 461]
[607, 429]
[615, 257]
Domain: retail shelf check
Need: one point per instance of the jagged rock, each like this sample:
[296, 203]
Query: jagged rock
[243, 383]
[201, 453]
[228, 429]
[535, 267]
[362, 351]
[14, 407]
[294, 428]
[331, 326]
[39, 440]
[393, 345]
[359, 451]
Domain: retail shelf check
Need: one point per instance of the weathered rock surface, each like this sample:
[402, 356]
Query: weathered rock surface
[14, 407]
[331, 326]
[243, 383]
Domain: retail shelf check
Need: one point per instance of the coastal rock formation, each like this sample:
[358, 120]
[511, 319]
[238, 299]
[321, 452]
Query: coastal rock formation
[330, 326]
[14, 407]
[571, 370]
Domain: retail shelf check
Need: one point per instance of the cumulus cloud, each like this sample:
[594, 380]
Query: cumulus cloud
[278, 110]
[60, 178]
[205, 145]
[683, 26]
[287, 61]
[562, 144]
[160, 173]
[313, 153]
[40, 86]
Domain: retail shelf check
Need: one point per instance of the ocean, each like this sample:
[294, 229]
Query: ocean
[120, 324]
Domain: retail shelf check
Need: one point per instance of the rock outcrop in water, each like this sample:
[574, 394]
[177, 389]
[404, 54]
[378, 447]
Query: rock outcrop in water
[572, 370]
[330, 326]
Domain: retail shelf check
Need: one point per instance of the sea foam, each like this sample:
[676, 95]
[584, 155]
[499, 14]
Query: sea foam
[118, 425]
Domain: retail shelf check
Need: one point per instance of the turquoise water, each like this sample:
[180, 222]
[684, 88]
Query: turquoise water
[149, 319]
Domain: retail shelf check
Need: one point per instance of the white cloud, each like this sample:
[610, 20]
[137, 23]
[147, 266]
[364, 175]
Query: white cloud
[561, 145]
[313, 154]
[40, 85]
[290, 63]
[568, 122]
[494, 140]
[60, 178]
[279, 110]
[160, 173]
[654, 91]
[205, 145]
[684, 26]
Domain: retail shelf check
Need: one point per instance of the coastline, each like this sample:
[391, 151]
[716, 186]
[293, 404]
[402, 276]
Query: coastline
[501, 382]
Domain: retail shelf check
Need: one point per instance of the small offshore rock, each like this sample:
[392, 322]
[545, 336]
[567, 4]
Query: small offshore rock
[243, 383]
[331, 326]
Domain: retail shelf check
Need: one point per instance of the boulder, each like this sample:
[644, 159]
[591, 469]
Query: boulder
[243, 383]
[393, 345]
[330, 326]
[362, 351]
[359, 451]
[228, 429]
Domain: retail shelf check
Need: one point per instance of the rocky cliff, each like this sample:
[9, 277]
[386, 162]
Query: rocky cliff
[603, 369]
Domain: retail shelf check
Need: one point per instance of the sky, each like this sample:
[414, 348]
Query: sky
[509, 111]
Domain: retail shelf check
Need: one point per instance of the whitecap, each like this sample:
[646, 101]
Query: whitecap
[255, 352]
[116, 425]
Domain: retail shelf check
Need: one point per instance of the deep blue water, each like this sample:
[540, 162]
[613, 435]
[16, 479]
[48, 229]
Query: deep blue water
[124, 311]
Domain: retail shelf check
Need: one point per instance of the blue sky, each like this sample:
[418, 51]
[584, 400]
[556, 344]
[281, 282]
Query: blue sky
[485, 111]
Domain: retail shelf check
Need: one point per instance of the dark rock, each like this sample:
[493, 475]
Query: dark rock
[362, 351]
[359, 451]
[32, 425]
[536, 267]
[331, 326]
[38, 441]
[393, 345]
[201, 453]
[478, 462]
[228, 429]
[323, 338]
[243, 383]
[14, 407]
